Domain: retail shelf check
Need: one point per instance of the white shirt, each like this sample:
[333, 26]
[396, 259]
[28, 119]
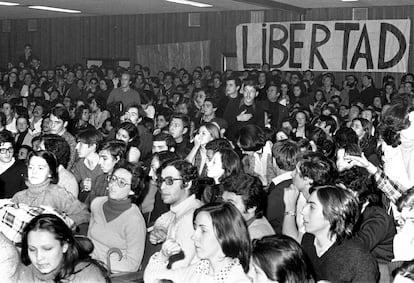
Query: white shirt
[180, 227]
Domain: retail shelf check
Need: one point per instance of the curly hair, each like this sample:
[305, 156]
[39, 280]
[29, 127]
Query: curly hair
[395, 119]
[250, 188]
[317, 167]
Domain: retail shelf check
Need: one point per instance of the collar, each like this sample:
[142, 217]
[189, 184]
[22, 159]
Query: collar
[204, 266]
[184, 206]
[282, 177]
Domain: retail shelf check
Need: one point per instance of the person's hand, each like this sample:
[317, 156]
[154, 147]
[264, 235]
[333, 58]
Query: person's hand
[243, 117]
[197, 140]
[361, 161]
[87, 184]
[158, 235]
[169, 248]
[290, 198]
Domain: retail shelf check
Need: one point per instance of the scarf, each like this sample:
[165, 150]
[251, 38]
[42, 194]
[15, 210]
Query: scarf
[113, 208]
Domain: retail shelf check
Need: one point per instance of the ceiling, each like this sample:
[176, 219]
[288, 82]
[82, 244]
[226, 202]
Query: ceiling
[121, 7]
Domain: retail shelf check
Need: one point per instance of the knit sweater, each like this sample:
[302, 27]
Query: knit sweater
[54, 196]
[345, 262]
[126, 232]
[84, 272]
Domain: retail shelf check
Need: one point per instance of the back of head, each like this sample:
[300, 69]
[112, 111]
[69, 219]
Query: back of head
[218, 144]
[251, 138]
[345, 136]
[394, 120]
[282, 259]
[250, 188]
[59, 146]
[61, 113]
[318, 167]
[286, 154]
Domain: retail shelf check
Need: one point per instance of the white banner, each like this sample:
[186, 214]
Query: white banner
[354, 46]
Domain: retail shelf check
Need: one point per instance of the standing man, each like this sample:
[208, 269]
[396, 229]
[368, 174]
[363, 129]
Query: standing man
[246, 112]
[26, 57]
[125, 94]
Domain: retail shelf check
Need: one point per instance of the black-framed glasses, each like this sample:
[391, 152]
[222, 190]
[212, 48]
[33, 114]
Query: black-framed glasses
[6, 150]
[120, 182]
[168, 180]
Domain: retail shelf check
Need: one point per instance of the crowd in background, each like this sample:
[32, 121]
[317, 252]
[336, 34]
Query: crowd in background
[204, 176]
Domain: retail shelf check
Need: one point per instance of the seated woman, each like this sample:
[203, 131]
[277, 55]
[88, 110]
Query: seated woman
[23, 136]
[116, 222]
[198, 154]
[51, 253]
[224, 163]
[222, 244]
[128, 133]
[329, 217]
[363, 128]
[258, 160]
[42, 177]
[279, 258]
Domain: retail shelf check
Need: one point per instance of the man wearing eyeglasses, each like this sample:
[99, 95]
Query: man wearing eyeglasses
[12, 171]
[176, 225]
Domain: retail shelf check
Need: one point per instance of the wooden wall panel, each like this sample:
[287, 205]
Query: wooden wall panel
[72, 40]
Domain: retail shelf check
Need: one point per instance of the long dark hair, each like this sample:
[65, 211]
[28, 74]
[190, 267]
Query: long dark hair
[282, 259]
[76, 252]
[230, 229]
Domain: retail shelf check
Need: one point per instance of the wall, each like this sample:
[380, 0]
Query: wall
[71, 40]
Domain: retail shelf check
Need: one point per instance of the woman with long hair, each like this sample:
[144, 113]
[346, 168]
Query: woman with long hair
[128, 133]
[198, 154]
[258, 159]
[51, 253]
[279, 258]
[222, 244]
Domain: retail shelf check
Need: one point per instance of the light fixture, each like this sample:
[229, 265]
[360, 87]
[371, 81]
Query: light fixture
[192, 3]
[8, 3]
[54, 9]
[349, 0]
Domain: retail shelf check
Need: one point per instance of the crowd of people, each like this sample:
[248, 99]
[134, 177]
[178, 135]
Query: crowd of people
[204, 176]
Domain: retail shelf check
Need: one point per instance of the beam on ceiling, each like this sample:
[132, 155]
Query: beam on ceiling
[274, 5]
